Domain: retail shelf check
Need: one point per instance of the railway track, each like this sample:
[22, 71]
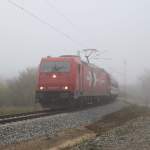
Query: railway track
[37, 114]
[30, 115]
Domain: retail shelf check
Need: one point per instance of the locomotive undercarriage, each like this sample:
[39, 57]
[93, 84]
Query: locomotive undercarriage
[67, 100]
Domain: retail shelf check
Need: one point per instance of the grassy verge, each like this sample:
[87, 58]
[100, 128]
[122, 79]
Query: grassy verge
[15, 110]
[118, 118]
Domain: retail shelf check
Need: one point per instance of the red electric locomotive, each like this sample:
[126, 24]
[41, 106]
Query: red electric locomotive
[68, 80]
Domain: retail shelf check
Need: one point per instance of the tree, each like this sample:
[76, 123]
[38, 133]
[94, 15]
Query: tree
[22, 89]
[19, 91]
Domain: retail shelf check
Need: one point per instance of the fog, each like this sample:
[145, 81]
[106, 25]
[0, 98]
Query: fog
[120, 27]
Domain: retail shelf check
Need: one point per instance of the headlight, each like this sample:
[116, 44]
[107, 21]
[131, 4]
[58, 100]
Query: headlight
[54, 76]
[41, 88]
[66, 87]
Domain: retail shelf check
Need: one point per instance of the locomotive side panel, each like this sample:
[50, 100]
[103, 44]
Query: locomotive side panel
[95, 81]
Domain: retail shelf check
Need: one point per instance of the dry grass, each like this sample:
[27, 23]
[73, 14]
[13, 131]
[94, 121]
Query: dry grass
[118, 118]
[15, 110]
[70, 137]
[61, 139]
[36, 144]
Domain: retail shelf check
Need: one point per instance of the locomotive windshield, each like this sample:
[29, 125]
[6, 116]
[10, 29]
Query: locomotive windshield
[55, 66]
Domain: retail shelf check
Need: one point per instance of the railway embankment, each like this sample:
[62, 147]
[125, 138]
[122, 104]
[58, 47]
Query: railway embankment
[47, 127]
[127, 128]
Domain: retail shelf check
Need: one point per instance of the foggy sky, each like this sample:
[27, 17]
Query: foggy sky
[120, 26]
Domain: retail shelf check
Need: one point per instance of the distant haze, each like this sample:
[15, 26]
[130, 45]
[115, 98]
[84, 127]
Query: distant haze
[120, 26]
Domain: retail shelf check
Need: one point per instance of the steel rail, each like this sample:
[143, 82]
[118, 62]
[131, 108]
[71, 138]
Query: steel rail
[21, 114]
[30, 115]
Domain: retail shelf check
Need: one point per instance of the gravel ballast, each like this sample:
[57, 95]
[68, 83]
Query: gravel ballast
[133, 135]
[48, 126]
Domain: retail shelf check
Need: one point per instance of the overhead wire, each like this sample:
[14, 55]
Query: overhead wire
[66, 18]
[50, 4]
[30, 13]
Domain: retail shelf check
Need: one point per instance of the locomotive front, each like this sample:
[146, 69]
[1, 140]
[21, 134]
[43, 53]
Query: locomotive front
[56, 80]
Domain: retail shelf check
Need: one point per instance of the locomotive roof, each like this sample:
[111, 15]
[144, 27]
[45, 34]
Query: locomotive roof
[77, 57]
[92, 65]
[69, 56]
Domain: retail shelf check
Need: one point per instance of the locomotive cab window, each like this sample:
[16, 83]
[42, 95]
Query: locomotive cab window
[55, 66]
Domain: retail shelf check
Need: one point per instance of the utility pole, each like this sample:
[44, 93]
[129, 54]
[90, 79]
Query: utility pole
[125, 79]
